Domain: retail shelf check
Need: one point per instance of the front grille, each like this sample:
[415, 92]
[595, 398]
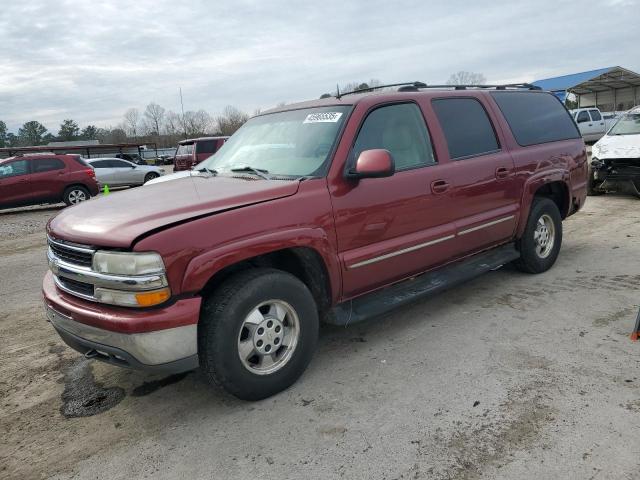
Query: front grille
[77, 287]
[71, 255]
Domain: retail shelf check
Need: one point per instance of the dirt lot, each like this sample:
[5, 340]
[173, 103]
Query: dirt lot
[509, 376]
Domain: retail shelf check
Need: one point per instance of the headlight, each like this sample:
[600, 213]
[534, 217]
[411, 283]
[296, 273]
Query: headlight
[127, 263]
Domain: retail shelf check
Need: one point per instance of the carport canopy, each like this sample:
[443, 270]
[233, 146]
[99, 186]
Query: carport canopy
[610, 89]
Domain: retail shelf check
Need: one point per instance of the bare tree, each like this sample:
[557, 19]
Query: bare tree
[132, 121]
[466, 78]
[173, 124]
[230, 120]
[154, 114]
[197, 123]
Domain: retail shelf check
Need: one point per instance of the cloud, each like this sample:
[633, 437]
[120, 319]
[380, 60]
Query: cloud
[90, 61]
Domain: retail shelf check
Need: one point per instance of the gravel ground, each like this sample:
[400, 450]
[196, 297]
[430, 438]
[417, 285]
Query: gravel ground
[508, 376]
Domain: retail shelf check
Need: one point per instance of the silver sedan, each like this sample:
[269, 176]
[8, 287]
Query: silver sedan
[117, 172]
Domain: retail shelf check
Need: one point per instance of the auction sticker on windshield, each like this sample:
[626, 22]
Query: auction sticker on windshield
[320, 117]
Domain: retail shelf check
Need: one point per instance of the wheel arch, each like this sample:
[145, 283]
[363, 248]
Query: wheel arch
[554, 186]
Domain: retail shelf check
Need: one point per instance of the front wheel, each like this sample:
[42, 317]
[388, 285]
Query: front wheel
[76, 194]
[540, 243]
[257, 333]
[591, 183]
[150, 176]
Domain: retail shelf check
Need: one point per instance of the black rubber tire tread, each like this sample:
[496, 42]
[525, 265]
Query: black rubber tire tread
[529, 260]
[221, 318]
[150, 176]
[68, 190]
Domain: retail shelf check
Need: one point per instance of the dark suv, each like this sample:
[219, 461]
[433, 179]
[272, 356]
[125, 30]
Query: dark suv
[194, 150]
[333, 210]
[37, 178]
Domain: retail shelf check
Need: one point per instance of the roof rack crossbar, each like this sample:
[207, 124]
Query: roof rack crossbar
[415, 86]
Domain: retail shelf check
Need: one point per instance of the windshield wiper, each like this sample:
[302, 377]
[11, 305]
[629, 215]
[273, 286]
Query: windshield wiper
[208, 170]
[256, 171]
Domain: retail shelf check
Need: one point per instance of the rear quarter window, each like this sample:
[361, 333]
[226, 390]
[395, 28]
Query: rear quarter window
[466, 126]
[206, 146]
[536, 117]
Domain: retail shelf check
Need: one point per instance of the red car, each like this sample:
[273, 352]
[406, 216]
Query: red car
[334, 210]
[193, 151]
[45, 178]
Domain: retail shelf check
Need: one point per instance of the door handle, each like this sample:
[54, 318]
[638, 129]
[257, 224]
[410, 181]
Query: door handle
[502, 172]
[439, 186]
[591, 124]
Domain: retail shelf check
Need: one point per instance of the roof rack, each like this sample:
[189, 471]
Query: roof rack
[416, 86]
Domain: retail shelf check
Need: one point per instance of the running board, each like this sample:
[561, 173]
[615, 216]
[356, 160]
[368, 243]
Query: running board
[383, 301]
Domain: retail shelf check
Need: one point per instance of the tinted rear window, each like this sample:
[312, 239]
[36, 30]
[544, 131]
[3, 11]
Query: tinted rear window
[466, 127]
[206, 146]
[40, 165]
[536, 117]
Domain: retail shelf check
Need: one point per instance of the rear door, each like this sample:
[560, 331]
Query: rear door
[484, 193]
[14, 183]
[123, 172]
[47, 180]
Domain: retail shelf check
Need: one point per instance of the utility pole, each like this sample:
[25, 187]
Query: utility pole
[184, 125]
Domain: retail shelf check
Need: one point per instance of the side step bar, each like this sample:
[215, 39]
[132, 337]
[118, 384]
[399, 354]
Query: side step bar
[383, 301]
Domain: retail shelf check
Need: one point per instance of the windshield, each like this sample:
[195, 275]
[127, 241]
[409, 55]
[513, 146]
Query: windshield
[185, 149]
[629, 124]
[292, 143]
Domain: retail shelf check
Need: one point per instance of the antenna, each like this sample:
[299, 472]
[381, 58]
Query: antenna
[184, 124]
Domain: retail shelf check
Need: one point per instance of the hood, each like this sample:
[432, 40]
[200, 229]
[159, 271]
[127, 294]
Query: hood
[617, 146]
[119, 218]
[171, 176]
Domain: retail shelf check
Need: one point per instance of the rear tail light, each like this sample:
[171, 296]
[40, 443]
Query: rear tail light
[91, 172]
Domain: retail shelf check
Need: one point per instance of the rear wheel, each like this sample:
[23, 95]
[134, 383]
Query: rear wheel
[257, 333]
[76, 194]
[150, 176]
[540, 243]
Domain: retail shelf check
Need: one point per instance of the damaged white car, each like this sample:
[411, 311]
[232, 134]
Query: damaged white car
[615, 161]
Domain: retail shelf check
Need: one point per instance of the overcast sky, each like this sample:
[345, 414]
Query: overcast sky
[90, 61]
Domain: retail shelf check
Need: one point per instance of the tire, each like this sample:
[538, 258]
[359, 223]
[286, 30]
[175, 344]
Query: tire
[224, 332]
[150, 176]
[534, 258]
[591, 183]
[75, 194]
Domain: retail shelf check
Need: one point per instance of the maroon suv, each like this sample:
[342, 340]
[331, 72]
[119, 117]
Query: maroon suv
[333, 210]
[45, 178]
[194, 150]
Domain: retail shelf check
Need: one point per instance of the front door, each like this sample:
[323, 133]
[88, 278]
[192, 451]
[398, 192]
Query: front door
[391, 228]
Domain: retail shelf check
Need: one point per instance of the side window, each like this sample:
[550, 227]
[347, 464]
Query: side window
[13, 169]
[99, 164]
[119, 164]
[595, 115]
[583, 117]
[536, 117]
[466, 127]
[399, 129]
[207, 146]
[46, 165]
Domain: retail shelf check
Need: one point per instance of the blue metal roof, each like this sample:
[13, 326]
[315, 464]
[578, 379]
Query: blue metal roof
[568, 81]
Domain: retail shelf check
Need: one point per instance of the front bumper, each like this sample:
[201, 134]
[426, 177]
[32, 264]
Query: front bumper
[158, 340]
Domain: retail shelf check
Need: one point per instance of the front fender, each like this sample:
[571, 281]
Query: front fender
[202, 267]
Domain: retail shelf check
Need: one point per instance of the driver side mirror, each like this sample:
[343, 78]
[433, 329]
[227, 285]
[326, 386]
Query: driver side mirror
[375, 163]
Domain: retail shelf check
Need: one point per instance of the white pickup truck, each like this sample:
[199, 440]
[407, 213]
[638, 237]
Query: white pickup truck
[593, 124]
